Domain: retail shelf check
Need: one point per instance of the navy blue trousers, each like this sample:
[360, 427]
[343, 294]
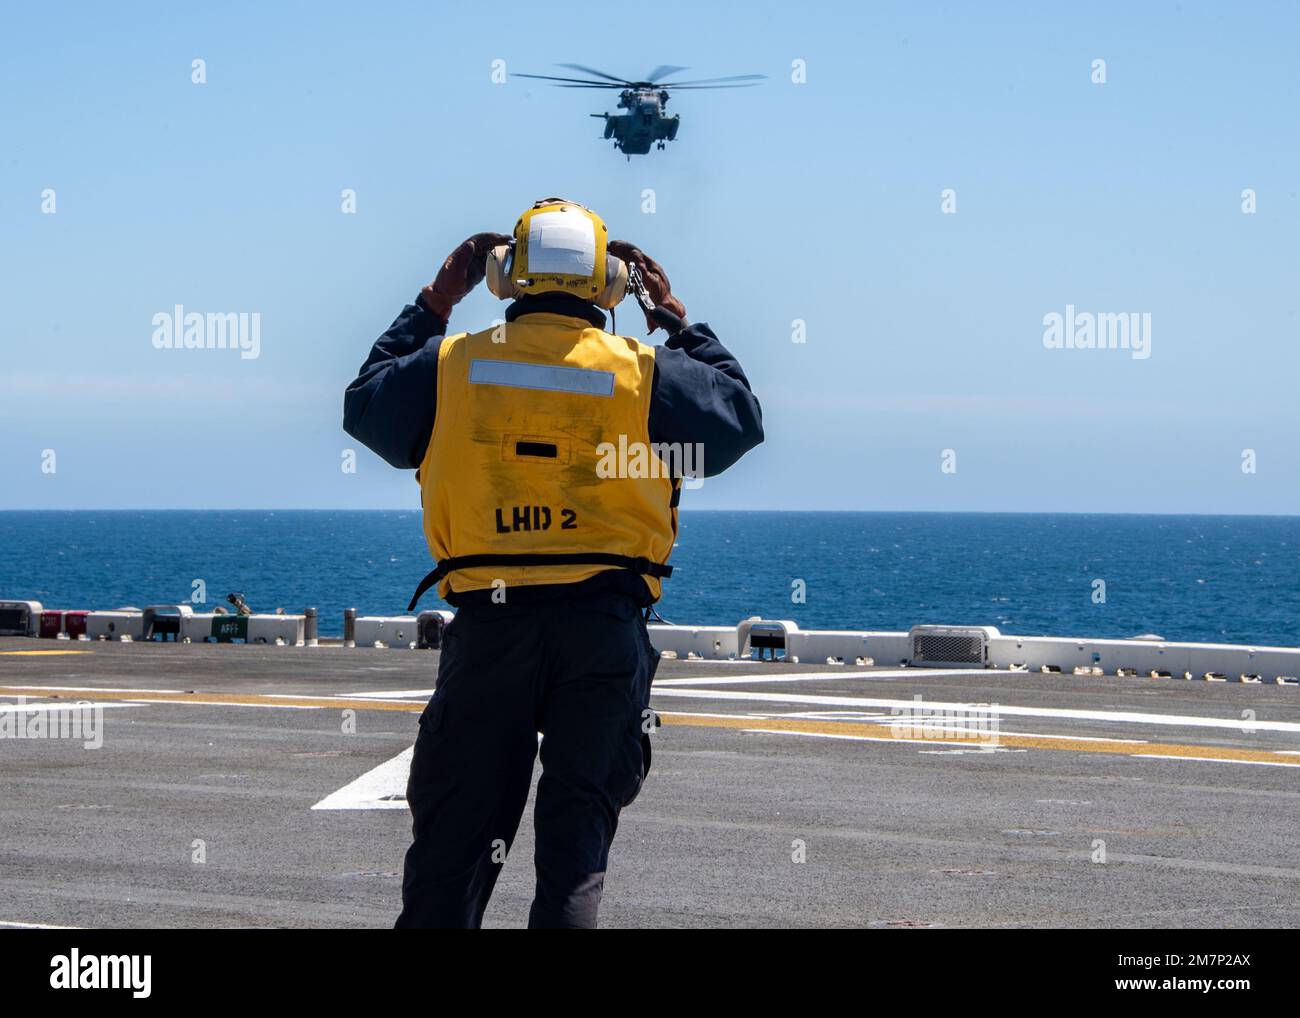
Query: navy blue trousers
[576, 670]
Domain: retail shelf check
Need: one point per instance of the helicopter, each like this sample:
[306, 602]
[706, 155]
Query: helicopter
[645, 123]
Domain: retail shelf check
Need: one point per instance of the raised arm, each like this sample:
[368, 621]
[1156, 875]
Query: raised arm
[701, 395]
[390, 406]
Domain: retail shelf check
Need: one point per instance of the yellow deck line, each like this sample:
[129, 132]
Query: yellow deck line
[798, 726]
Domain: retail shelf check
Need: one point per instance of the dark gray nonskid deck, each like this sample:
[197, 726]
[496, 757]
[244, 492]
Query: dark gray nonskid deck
[781, 795]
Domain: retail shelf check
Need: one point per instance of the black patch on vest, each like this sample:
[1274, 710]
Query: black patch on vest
[544, 449]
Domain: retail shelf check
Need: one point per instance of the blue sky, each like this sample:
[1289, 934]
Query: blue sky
[818, 201]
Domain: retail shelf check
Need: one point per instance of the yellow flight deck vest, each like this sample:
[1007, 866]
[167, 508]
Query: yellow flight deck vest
[540, 469]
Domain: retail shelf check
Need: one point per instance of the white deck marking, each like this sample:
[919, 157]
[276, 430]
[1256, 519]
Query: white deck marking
[825, 735]
[1003, 710]
[101, 689]
[390, 694]
[1214, 759]
[9, 924]
[736, 680]
[376, 789]
[713, 680]
[327, 700]
[947, 730]
[57, 706]
[200, 703]
[990, 748]
[929, 721]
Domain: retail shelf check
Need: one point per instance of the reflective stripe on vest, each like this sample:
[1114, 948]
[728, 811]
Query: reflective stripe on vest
[540, 469]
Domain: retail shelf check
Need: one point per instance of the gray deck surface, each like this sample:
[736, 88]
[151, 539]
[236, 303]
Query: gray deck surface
[1199, 822]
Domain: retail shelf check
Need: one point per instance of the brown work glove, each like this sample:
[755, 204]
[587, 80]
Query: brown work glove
[656, 280]
[463, 270]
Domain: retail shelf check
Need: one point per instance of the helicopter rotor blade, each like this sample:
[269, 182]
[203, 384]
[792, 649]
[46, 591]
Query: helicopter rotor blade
[692, 88]
[596, 73]
[712, 81]
[579, 81]
[663, 72]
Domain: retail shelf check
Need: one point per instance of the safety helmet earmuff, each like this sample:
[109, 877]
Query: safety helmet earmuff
[559, 247]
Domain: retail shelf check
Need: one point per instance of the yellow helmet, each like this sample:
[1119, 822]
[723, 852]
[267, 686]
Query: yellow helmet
[559, 247]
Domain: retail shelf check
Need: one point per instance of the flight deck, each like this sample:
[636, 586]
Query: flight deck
[256, 785]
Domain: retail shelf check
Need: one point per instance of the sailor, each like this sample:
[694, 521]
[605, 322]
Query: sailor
[550, 455]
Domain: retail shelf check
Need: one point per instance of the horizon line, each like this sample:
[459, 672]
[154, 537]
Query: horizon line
[864, 512]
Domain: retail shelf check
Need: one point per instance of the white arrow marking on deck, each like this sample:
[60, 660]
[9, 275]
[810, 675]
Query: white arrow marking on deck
[382, 787]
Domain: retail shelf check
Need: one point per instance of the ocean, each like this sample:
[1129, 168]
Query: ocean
[1206, 578]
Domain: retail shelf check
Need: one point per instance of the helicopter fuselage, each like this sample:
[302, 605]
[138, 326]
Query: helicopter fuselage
[645, 123]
